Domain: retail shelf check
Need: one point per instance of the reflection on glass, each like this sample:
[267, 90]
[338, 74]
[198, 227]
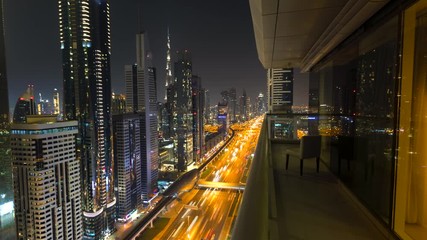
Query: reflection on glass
[356, 93]
[411, 191]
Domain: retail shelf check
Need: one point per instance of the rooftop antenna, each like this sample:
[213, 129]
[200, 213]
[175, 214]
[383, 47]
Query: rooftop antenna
[139, 10]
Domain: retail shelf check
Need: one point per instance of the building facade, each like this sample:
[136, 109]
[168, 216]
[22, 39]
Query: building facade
[181, 106]
[46, 176]
[25, 105]
[141, 98]
[118, 103]
[6, 186]
[280, 89]
[197, 99]
[127, 162]
[86, 49]
[367, 88]
[56, 102]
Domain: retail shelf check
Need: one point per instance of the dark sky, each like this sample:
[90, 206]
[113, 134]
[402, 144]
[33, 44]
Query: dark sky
[218, 33]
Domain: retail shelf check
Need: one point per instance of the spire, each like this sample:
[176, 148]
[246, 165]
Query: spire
[168, 80]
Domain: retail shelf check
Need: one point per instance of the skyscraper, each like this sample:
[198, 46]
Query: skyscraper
[118, 103]
[25, 105]
[182, 117]
[244, 107]
[127, 162]
[260, 107]
[141, 98]
[85, 44]
[6, 189]
[280, 89]
[46, 175]
[44, 106]
[4, 95]
[56, 102]
[232, 104]
[197, 101]
[168, 79]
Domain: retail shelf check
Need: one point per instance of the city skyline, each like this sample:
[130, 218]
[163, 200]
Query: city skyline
[216, 63]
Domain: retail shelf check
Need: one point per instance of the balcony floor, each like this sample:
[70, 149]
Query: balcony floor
[314, 206]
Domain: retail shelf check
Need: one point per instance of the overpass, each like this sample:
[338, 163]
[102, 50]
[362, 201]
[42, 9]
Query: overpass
[221, 185]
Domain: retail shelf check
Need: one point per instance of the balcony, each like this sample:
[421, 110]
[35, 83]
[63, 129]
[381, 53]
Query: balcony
[281, 204]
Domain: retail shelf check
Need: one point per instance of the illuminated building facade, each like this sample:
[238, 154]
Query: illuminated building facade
[85, 45]
[118, 104]
[127, 162]
[280, 89]
[44, 106]
[25, 105]
[182, 117]
[169, 78]
[56, 102]
[260, 106]
[46, 176]
[244, 107]
[141, 98]
[197, 101]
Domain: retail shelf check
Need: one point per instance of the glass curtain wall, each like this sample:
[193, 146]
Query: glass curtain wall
[356, 102]
[411, 179]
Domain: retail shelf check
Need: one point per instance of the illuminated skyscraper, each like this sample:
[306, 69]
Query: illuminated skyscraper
[25, 105]
[86, 49]
[46, 176]
[141, 98]
[127, 159]
[118, 104]
[182, 117]
[56, 102]
[44, 107]
[197, 101]
[280, 83]
[169, 79]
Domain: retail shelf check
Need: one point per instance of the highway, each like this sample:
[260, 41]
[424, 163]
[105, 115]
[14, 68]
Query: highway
[209, 213]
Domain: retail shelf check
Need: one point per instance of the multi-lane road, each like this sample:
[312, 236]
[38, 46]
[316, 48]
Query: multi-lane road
[209, 213]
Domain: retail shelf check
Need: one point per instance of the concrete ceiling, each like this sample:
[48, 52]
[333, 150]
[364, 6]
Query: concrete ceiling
[299, 33]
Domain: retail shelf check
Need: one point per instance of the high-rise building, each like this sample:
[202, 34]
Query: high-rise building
[232, 104]
[85, 44]
[223, 117]
[197, 99]
[141, 98]
[6, 189]
[118, 103]
[182, 117]
[46, 176]
[127, 162]
[150, 148]
[25, 105]
[169, 78]
[56, 102]
[244, 107]
[4, 95]
[207, 105]
[260, 107]
[229, 97]
[44, 106]
[280, 89]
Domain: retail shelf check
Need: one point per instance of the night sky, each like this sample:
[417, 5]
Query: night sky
[218, 33]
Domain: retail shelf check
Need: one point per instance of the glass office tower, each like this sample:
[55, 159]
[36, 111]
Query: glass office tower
[86, 49]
